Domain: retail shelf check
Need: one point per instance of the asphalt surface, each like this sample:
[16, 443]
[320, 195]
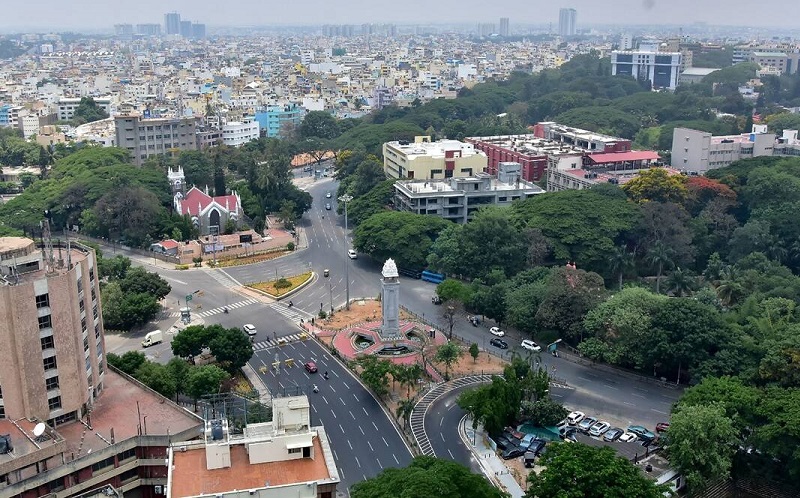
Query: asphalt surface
[363, 440]
[441, 427]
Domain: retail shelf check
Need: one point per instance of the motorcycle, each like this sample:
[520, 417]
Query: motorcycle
[225, 310]
[325, 376]
[316, 389]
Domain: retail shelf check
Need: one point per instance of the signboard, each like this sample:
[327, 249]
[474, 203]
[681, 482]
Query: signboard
[188, 298]
[247, 237]
[213, 248]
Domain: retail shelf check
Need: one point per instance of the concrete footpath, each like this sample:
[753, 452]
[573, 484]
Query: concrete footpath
[493, 467]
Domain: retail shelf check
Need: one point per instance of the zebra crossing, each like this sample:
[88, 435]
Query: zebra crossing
[280, 341]
[223, 278]
[292, 313]
[221, 309]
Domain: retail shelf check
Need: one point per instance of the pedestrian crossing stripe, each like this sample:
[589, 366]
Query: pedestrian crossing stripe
[280, 341]
[221, 309]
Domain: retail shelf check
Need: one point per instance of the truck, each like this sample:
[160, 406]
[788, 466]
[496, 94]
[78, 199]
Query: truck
[152, 338]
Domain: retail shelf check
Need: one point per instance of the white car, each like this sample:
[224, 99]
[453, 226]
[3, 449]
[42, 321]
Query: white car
[328, 195]
[575, 417]
[249, 329]
[531, 346]
[351, 253]
[599, 428]
[628, 437]
[496, 331]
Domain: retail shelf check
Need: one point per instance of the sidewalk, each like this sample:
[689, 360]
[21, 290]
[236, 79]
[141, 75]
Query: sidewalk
[492, 465]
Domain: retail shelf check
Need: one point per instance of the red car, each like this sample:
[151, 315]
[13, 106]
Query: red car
[311, 367]
[662, 426]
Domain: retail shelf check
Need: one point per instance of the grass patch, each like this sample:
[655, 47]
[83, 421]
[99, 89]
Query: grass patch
[282, 285]
[247, 260]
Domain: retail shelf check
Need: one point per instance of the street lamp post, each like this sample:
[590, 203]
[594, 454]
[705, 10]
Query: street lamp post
[345, 199]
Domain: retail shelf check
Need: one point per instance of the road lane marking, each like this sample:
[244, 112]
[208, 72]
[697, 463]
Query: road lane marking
[611, 387]
[362, 430]
[351, 414]
[441, 421]
[350, 445]
[375, 426]
[659, 411]
[356, 397]
[395, 459]
[359, 463]
[175, 280]
[628, 403]
[333, 412]
[387, 445]
[326, 401]
[638, 395]
[342, 400]
[451, 454]
[365, 411]
[341, 428]
[442, 436]
[370, 446]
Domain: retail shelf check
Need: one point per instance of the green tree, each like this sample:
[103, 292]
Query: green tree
[88, 111]
[404, 409]
[579, 470]
[660, 256]
[138, 280]
[543, 412]
[190, 341]
[179, 370]
[198, 168]
[232, 348]
[204, 380]
[157, 377]
[680, 283]
[701, 444]
[453, 290]
[621, 261]
[125, 310]
[128, 362]
[657, 185]
[474, 352]
[406, 237]
[448, 354]
[426, 477]
[375, 374]
[570, 294]
[319, 124]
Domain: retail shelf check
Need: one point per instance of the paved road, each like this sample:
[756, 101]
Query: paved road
[364, 441]
[441, 426]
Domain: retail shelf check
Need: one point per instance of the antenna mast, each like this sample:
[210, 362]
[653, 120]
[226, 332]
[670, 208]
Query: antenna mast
[47, 246]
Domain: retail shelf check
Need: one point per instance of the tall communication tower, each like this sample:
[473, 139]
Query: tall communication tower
[47, 243]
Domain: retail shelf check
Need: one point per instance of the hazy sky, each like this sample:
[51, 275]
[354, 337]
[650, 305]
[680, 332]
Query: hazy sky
[102, 15]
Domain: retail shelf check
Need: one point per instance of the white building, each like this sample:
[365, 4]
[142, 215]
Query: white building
[67, 105]
[662, 69]
[567, 21]
[236, 133]
[699, 151]
[283, 458]
[458, 199]
[432, 160]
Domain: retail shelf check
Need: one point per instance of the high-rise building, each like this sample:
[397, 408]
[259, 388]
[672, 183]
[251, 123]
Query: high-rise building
[51, 331]
[123, 29]
[503, 26]
[662, 69]
[148, 29]
[186, 29]
[567, 20]
[198, 30]
[172, 23]
[145, 137]
[486, 29]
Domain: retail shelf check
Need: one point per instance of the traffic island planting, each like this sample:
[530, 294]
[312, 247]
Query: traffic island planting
[282, 286]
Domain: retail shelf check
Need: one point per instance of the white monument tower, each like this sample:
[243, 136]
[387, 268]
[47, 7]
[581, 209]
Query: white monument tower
[390, 300]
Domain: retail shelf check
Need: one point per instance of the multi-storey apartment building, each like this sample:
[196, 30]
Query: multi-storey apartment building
[236, 133]
[66, 106]
[662, 69]
[277, 119]
[145, 138]
[424, 159]
[699, 151]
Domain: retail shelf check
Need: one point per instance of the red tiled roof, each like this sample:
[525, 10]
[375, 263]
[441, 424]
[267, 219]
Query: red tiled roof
[615, 157]
[169, 244]
[196, 200]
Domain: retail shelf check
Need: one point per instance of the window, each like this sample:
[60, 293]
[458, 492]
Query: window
[131, 453]
[97, 331]
[83, 324]
[47, 342]
[51, 383]
[50, 363]
[43, 300]
[45, 322]
[86, 344]
[295, 450]
[108, 462]
[81, 305]
[54, 403]
[94, 311]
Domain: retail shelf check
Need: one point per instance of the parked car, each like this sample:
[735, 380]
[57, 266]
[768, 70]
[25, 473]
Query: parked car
[328, 195]
[351, 253]
[586, 424]
[628, 437]
[575, 417]
[499, 343]
[310, 367]
[512, 452]
[537, 446]
[531, 346]
[504, 442]
[613, 434]
[662, 426]
[599, 428]
[530, 459]
[569, 434]
[496, 331]
[249, 329]
[328, 206]
[641, 432]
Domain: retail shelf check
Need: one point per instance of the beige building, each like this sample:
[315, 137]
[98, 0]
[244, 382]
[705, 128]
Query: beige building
[51, 331]
[424, 159]
[144, 138]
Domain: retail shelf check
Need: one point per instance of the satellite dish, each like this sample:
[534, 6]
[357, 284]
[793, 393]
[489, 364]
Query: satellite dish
[39, 429]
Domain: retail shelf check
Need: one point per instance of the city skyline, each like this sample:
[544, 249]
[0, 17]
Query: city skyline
[101, 16]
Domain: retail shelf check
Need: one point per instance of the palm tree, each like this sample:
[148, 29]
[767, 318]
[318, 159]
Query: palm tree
[660, 256]
[412, 373]
[680, 282]
[714, 269]
[404, 409]
[729, 289]
[620, 260]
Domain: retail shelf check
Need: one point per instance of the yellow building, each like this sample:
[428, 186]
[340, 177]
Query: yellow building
[424, 159]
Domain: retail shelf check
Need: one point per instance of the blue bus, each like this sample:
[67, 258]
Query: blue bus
[429, 276]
